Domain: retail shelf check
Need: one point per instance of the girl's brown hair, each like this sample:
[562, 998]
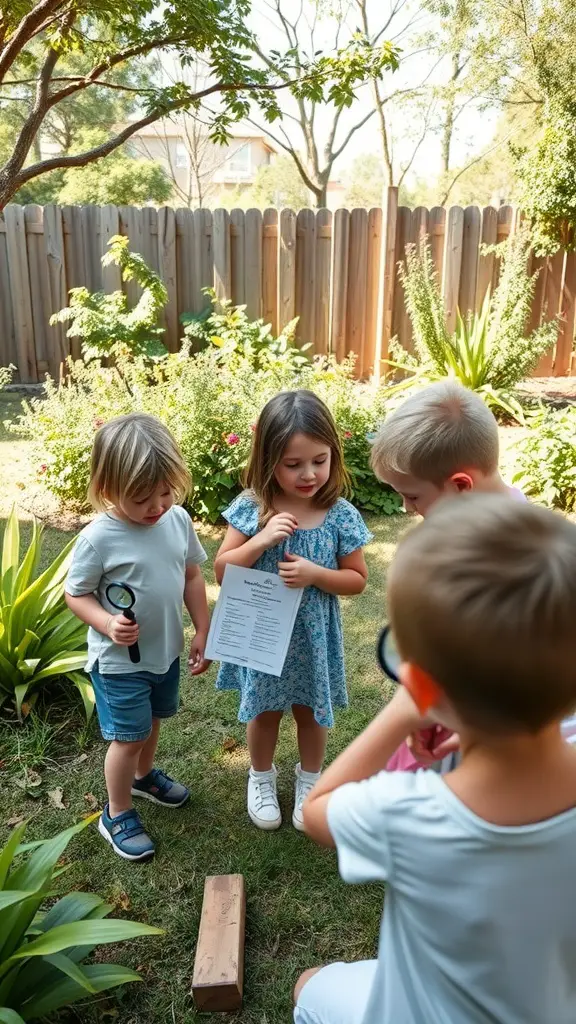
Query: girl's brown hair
[289, 413]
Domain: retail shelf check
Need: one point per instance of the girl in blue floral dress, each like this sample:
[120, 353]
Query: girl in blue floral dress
[293, 521]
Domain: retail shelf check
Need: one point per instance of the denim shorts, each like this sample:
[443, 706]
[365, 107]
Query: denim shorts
[127, 703]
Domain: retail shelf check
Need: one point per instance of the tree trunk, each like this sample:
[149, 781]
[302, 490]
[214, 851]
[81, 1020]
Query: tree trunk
[448, 130]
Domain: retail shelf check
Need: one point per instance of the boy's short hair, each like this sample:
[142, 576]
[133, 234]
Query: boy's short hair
[437, 432]
[131, 456]
[483, 598]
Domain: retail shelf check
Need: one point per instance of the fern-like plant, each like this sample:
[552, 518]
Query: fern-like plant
[490, 351]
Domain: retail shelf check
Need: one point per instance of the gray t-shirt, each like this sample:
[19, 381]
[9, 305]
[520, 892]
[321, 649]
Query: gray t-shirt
[479, 923]
[152, 560]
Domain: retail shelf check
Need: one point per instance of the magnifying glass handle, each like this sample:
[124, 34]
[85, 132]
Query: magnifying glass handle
[133, 650]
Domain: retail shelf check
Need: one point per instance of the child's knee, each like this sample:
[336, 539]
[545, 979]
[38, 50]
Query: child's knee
[302, 980]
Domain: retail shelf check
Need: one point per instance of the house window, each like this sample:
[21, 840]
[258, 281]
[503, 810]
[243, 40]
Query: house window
[181, 155]
[240, 163]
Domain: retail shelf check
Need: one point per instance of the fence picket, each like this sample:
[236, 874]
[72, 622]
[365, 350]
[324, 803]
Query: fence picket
[338, 273]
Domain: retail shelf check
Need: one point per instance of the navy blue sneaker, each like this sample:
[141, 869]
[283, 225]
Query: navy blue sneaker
[126, 835]
[160, 789]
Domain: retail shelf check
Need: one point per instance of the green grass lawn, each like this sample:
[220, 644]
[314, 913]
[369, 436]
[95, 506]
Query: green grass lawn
[299, 913]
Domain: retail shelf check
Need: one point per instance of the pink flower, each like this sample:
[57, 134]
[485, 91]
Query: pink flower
[347, 434]
[43, 468]
[98, 422]
[252, 427]
[232, 439]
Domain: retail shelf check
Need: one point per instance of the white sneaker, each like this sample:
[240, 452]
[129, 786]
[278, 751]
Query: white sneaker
[304, 783]
[263, 806]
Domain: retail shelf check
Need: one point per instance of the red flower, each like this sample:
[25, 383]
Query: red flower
[347, 434]
[232, 439]
[43, 468]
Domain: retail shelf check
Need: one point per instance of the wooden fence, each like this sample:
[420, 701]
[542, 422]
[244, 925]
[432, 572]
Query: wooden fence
[337, 272]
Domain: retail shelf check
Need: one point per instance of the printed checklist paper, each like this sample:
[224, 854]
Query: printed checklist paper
[253, 620]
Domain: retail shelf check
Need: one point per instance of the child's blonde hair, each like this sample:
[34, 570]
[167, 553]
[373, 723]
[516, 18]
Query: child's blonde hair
[289, 413]
[131, 456]
[483, 598]
[437, 432]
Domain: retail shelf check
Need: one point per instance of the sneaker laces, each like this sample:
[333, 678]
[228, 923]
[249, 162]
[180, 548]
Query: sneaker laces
[303, 787]
[265, 793]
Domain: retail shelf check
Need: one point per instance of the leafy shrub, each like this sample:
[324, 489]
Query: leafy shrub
[105, 324]
[210, 407]
[546, 458]
[40, 639]
[490, 352]
[41, 950]
[238, 338]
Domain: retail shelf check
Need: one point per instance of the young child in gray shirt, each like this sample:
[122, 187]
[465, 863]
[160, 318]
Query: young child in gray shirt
[145, 542]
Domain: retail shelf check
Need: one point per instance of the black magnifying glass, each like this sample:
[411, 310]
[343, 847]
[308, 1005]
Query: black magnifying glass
[122, 597]
[388, 656]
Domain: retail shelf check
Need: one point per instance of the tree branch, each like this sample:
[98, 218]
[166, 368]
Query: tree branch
[338, 152]
[27, 28]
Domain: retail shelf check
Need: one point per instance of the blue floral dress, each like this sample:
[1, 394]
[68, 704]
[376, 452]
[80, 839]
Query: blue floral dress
[314, 669]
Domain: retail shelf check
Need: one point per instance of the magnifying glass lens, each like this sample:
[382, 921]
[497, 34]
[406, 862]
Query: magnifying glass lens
[119, 596]
[388, 655]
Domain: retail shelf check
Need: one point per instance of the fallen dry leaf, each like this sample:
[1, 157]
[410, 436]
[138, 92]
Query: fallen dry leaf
[122, 901]
[30, 781]
[92, 802]
[55, 798]
[13, 822]
[230, 743]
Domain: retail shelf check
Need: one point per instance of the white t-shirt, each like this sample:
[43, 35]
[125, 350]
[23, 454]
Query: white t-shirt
[479, 924]
[152, 560]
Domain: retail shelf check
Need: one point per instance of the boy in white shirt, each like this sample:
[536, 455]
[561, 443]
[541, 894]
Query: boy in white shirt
[479, 924]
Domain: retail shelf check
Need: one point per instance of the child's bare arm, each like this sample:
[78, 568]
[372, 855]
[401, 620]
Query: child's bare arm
[238, 549]
[349, 578]
[197, 605]
[366, 755]
[87, 608]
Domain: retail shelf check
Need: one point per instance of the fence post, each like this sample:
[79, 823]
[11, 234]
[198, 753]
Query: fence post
[286, 268]
[386, 279]
[452, 264]
[20, 288]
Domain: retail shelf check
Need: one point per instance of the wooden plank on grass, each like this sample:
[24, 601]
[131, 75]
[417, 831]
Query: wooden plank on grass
[287, 268]
[322, 278]
[20, 291]
[218, 980]
[452, 264]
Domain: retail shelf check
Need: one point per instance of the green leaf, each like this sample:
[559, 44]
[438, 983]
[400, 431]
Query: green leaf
[86, 691]
[61, 993]
[75, 906]
[10, 553]
[8, 1016]
[9, 852]
[80, 933]
[70, 969]
[11, 896]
